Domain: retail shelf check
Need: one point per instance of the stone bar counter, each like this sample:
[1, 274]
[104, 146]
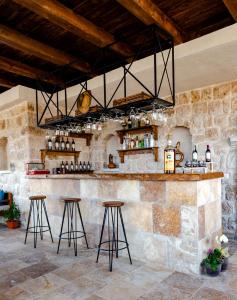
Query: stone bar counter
[171, 220]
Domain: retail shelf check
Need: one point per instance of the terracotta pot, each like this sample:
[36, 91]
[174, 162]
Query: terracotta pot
[12, 224]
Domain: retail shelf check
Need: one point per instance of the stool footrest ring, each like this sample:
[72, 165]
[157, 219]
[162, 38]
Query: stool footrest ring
[71, 233]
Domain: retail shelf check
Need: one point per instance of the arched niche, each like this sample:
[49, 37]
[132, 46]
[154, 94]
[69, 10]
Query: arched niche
[182, 134]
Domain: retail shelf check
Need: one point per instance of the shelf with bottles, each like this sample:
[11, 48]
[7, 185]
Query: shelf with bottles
[133, 151]
[74, 168]
[55, 153]
[138, 130]
[64, 137]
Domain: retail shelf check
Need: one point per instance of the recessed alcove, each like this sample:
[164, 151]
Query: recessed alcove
[3, 154]
[182, 134]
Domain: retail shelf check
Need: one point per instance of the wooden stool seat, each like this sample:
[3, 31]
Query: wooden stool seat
[113, 203]
[38, 197]
[72, 199]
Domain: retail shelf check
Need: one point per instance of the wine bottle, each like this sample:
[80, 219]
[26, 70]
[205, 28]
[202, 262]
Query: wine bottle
[67, 145]
[66, 167]
[76, 167]
[88, 166]
[50, 144]
[195, 154]
[56, 144]
[73, 145]
[84, 166]
[208, 154]
[72, 167]
[169, 157]
[63, 167]
[80, 167]
[62, 144]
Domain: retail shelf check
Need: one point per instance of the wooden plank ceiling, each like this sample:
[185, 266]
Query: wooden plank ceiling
[58, 41]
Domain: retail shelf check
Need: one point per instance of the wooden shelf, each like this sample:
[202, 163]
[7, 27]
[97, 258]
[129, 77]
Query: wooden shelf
[144, 129]
[55, 153]
[82, 135]
[153, 150]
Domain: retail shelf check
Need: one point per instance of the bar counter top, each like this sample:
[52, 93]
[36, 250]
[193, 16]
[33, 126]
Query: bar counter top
[134, 176]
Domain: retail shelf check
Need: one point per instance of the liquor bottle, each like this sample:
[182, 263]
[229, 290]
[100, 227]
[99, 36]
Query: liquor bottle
[63, 167]
[145, 141]
[208, 154]
[73, 146]
[50, 144]
[84, 166]
[169, 157]
[67, 145]
[66, 167]
[62, 144]
[152, 141]
[195, 154]
[72, 167]
[124, 146]
[137, 142]
[129, 123]
[56, 144]
[88, 166]
[80, 167]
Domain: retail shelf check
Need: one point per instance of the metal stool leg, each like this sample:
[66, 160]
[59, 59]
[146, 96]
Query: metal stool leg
[28, 222]
[60, 235]
[101, 234]
[124, 232]
[112, 211]
[83, 229]
[35, 231]
[75, 229]
[47, 220]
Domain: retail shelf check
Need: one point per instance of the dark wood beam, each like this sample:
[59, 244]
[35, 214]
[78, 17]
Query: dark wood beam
[6, 83]
[231, 5]
[149, 13]
[30, 46]
[65, 18]
[18, 68]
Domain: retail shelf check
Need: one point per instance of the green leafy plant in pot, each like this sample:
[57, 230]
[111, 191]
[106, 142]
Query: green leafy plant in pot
[213, 262]
[223, 242]
[12, 216]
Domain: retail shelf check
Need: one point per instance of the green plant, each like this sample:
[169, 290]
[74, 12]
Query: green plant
[13, 213]
[213, 259]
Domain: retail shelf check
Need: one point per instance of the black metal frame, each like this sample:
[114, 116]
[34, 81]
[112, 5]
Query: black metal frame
[71, 208]
[65, 116]
[36, 211]
[114, 213]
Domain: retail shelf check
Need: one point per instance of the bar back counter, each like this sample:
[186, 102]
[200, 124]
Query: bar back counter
[171, 220]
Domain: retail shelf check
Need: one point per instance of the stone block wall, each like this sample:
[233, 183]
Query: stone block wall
[210, 113]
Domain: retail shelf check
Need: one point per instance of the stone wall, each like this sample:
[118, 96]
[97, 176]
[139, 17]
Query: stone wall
[209, 113]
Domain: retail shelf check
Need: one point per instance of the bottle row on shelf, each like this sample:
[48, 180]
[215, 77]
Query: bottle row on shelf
[136, 142]
[60, 144]
[73, 167]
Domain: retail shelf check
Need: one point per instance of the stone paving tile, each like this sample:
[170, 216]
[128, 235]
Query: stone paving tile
[10, 280]
[187, 284]
[39, 269]
[212, 294]
[16, 293]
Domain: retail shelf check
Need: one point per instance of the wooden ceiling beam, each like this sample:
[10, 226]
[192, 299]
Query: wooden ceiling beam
[33, 47]
[231, 5]
[18, 68]
[6, 83]
[149, 13]
[65, 18]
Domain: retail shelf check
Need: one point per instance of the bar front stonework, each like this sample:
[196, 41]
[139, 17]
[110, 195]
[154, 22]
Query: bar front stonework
[171, 220]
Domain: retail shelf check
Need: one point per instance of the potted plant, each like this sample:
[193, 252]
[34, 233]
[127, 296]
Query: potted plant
[213, 262]
[12, 216]
[223, 242]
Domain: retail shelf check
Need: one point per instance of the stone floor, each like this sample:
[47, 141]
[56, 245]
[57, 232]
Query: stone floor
[28, 273]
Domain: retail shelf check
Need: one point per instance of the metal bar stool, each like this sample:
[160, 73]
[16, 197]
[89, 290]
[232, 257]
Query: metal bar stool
[72, 208]
[37, 207]
[113, 210]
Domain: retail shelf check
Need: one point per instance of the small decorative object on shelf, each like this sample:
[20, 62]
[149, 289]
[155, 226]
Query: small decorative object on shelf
[179, 156]
[36, 168]
[111, 164]
[12, 216]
